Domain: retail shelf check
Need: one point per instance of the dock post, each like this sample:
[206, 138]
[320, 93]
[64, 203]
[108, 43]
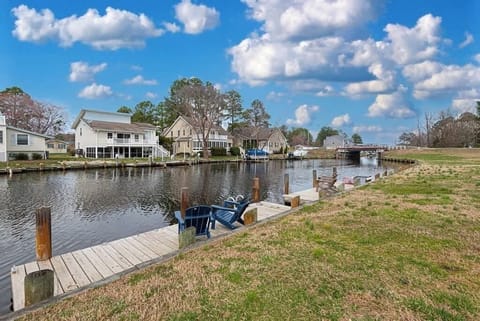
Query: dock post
[184, 201]
[44, 233]
[286, 184]
[38, 286]
[256, 190]
[314, 179]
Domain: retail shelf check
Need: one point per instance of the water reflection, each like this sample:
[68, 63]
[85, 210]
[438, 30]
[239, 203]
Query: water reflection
[95, 206]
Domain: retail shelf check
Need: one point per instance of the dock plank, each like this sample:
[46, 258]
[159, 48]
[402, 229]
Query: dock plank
[75, 270]
[159, 242]
[142, 248]
[117, 257]
[107, 258]
[47, 265]
[66, 280]
[31, 267]
[17, 277]
[151, 244]
[165, 239]
[119, 247]
[88, 268]
[97, 261]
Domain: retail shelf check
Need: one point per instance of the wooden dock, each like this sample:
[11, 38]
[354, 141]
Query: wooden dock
[306, 196]
[84, 267]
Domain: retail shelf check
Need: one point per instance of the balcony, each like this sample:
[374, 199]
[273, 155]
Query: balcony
[131, 141]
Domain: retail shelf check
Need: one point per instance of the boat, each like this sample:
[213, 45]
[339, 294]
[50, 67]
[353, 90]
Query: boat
[256, 154]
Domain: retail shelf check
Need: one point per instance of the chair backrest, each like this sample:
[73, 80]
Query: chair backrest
[199, 217]
[241, 207]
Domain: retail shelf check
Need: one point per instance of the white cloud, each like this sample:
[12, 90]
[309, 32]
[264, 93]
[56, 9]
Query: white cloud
[385, 82]
[171, 27]
[422, 70]
[468, 40]
[325, 91]
[151, 95]
[114, 30]
[139, 80]
[196, 18]
[410, 45]
[394, 105]
[95, 91]
[466, 100]
[302, 115]
[477, 58]
[342, 120]
[448, 79]
[273, 95]
[82, 71]
[367, 129]
[311, 18]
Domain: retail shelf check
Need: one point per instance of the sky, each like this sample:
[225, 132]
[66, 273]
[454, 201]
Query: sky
[370, 67]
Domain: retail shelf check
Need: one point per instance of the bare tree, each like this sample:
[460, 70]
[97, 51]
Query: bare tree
[204, 105]
[22, 111]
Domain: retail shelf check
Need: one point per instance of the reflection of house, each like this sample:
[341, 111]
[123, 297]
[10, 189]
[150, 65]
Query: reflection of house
[100, 134]
[56, 146]
[14, 141]
[268, 139]
[187, 138]
[335, 141]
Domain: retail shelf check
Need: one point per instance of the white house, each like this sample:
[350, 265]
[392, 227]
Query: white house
[14, 141]
[56, 146]
[100, 134]
[335, 141]
[187, 137]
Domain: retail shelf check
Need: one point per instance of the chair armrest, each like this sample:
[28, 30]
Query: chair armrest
[221, 208]
[178, 216]
[227, 203]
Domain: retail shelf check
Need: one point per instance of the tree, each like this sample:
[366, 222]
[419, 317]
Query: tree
[145, 112]
[165, 115]
[124, 109]
[324, 133]
[21, 111]
[257, 115]
[203, 104]
[299, 136]
[357, 139]
[234, 109]
[410, 139]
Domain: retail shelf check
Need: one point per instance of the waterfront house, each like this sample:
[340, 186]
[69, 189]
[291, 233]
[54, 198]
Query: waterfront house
[56, 146]
[100, 134]
[270, 140]
[187, 138]
[15, 141]
[335, 141]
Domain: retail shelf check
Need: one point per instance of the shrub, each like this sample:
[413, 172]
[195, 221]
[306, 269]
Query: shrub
[219, 151]
[235, 151]
[36, 156]
[21, 156]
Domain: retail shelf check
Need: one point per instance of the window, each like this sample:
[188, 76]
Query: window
[136, 137]
[190, 132]
[51, 145]
[22, 139]
[61, 146]
[171, 134]
[184, 132]
[178, 133]
[1, 136]
[80, 131]
[109, 135]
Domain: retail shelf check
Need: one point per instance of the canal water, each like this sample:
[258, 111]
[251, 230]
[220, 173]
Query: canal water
[95, 206]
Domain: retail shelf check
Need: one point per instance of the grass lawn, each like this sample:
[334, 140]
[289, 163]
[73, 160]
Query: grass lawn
[404, 248]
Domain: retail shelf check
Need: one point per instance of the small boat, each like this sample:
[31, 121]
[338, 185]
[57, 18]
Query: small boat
[256, 154]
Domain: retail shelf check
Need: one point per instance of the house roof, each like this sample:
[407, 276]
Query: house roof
[255, 133]
[83, 111]
[111, 126]
[195, 126]
[29, 132]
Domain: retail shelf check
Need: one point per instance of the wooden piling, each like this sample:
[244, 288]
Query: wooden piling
[184, 201]
[286, 184]
[256, 190]
[314, 179]
[44, 233]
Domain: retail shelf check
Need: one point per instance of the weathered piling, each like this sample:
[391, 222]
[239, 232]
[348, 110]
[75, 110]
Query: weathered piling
[256, 190]
[314, 179]
[286, 184]
[38, 286]
[44, 233]
[183, 201]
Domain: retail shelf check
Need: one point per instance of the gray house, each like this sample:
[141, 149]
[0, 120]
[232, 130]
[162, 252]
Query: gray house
[335, 141]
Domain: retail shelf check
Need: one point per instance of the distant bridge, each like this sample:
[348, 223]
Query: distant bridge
[354, 151]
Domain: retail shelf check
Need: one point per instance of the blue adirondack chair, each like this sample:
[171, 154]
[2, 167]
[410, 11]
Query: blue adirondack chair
[229, 213]
[197, 216]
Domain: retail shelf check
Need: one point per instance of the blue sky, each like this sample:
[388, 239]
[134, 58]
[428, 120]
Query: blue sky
[371, 67]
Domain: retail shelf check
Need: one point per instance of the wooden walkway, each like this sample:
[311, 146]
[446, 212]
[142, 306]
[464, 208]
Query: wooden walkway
[81, 268]
[306, 196]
